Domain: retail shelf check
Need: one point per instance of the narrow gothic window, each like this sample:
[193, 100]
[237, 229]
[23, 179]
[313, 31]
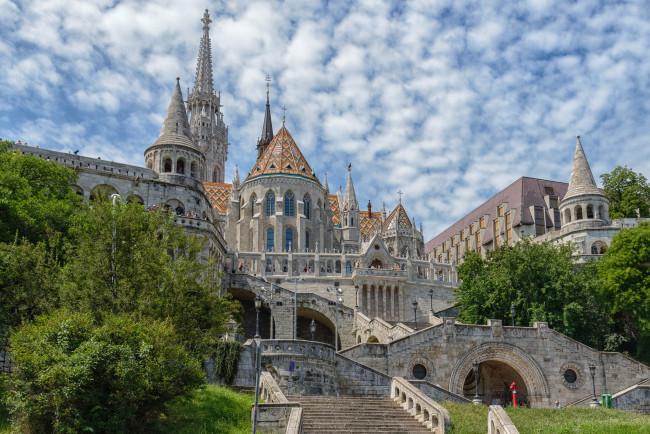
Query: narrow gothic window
[269, 240]
[307, 205]
[288, 204]
[288, 239]
[253, 200]
[270, 204]
[306, 240]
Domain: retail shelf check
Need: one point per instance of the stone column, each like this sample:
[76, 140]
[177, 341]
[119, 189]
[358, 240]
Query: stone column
[389, 303]
[383, 297]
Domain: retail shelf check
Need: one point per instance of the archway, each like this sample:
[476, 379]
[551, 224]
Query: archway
[324, 326]
[500, 362]
[248, 319]
[372, 340]
[376, 263]
[494, 380]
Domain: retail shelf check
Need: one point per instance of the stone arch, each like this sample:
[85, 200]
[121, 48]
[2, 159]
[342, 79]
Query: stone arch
[167, 165]
[590, 211]
[514, 357]
[193, 169]
[135, 198]
[325, 324]
[253, 200]
[598, 247]
[102, 190]
[78, 190]
[150, 163]
[180, 166]
[372, 340]
[567, 216]
[176, 206]
[578, 211]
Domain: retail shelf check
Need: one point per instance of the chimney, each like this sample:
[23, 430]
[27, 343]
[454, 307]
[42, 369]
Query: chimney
[369, 210]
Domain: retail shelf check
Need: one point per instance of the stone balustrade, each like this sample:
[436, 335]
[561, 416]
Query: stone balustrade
[277, 414]
[423, 408]
[499, 422]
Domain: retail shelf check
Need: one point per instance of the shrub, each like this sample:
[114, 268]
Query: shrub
[226, 360]
[73, 375]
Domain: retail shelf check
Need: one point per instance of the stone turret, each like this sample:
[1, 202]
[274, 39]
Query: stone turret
[583, 204]
[209, 131]
[350, 217]
[174, 156]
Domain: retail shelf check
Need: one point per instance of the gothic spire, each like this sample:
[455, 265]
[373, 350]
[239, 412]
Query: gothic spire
[582, 180]
[203, 80]
[267, 128]
[325, 185]
[350, 201]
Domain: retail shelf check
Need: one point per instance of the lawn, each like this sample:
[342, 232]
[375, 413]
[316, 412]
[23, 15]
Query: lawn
[211, 409]
[470, 419]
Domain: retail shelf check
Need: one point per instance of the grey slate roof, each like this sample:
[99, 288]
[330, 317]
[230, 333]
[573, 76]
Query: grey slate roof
[582, 180]
[176, 128]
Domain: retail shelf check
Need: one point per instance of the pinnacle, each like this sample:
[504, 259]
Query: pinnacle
[176, 128]
[350, 195]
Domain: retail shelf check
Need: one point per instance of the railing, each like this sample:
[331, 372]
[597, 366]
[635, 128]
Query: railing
[499, 422]
[399, 274]
[423, 408]
[277, 414]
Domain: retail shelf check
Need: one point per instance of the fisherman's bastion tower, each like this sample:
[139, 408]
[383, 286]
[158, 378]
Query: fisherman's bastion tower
[352, 300]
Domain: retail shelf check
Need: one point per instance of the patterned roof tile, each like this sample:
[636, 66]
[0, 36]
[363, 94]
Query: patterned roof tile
[398, 219]
[219, 195]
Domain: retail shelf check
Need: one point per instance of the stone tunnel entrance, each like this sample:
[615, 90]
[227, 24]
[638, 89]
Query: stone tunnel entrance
[324, 327]
[494, 380]
[246, 298]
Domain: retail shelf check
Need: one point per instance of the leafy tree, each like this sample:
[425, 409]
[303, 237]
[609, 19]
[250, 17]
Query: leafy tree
[627, 192]
[28, 277]
[542, 282]
[625, 272]
[73, 375]
[150, 268]
[35, 196]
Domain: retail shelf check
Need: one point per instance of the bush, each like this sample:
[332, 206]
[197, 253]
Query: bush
[226, 360]
[73, 375]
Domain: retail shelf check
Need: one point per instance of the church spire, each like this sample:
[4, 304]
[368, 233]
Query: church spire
[267, 128]
[203, 80]
[582, 180]
[350, 200]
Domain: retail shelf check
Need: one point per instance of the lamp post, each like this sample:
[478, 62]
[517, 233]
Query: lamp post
[295, 306]
[512, 313]
[258, 304]
[272, 325]
[338, 292]
[356, 298]
[476, 400]
[431, 300]
[114, 196]
[312, 327]
[592, 370]
[415, 314]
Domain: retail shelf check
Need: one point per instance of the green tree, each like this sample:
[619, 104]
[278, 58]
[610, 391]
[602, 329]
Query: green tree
[625, 273]
[542, 282]
[150, 267]
[73, 375]
[627, 192]
[35, 196]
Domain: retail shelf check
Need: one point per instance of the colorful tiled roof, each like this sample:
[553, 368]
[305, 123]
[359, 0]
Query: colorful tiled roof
[398, 219]
[370, 225]
[219, 195]
[336, 211]
[282, 156]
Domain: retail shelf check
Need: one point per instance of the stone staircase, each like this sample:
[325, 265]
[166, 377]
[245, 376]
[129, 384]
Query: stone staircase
[355, 415]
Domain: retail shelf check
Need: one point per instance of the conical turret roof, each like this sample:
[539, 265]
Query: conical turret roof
[398, 219]
[582, 180]
[282, 157]
[176, 128]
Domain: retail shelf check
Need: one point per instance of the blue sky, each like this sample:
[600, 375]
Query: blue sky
[447, 101]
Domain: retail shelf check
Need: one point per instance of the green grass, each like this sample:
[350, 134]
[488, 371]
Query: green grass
[470, 419]
[581, 420]
[211, 409]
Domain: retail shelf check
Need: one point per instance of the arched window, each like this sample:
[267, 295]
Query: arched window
[288, 239]
[167, 165]
[253, 200]
[578, 212]
[180, 166]
[307, 204]
[288, 204]
[306, 240]
[193, 169]
[270, 203]
[590, 211]
[269, 240]
[567, 216]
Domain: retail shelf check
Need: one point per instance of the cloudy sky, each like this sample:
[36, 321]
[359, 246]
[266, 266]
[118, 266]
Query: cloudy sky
[447, 101]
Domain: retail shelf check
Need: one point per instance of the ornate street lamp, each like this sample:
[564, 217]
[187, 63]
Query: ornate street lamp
[512, 313]
[258, 305]
[312, 327]
[592, 370]
[356, 298]
[415, 314]
[431, 299]
[476, 400]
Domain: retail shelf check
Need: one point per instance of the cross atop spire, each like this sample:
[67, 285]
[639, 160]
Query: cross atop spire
[206, 21]
[268, 83]
[400, 195]
[284, 115]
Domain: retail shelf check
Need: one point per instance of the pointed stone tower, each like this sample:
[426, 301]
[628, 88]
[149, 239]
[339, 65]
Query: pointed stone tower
[209, 131]
[267, 128]
[583, 205]
[174, 156]
[350, 218]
